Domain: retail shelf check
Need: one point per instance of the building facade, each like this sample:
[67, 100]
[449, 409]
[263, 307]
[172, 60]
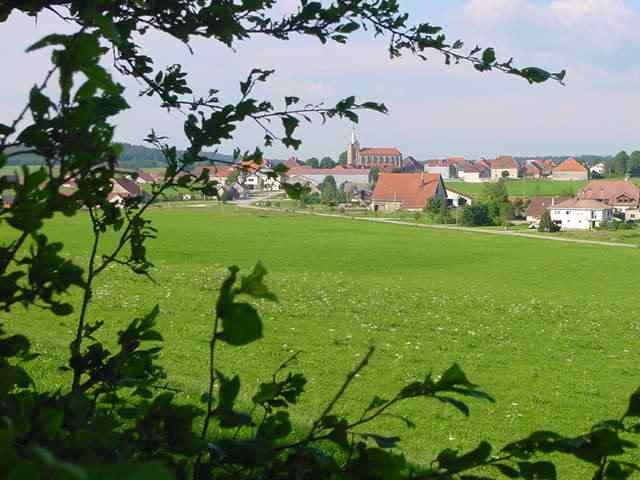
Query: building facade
[570, 169]
[406, 191]
[581, 214]
[381, 157]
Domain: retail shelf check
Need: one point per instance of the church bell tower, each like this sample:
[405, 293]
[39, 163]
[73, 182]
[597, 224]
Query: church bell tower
[353, 150]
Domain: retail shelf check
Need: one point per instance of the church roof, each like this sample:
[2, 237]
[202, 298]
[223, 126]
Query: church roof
[383, 152]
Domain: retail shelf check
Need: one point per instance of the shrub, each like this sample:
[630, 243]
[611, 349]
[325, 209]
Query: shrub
[476, 215]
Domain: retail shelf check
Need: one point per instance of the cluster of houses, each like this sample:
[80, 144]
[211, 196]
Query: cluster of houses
[458, 168]
[597, 204]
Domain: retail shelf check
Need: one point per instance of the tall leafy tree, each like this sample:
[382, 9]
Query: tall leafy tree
[634, 164]
[329, 190]
[620, 163]
[327, 162]
[342, 159]
[312, 162]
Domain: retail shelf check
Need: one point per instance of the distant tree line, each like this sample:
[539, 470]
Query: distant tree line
[130, 157]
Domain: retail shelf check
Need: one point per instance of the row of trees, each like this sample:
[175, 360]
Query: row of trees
[625, 164]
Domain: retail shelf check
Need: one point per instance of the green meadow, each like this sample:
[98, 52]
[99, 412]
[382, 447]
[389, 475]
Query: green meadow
[524, 188]
[549, 329]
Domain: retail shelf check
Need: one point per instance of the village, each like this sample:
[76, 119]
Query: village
[382, 180]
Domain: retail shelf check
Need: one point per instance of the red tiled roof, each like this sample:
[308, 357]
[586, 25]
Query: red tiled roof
[503, 162]
[383, 152]
[570, 165]
[611, 192]
[580, 204]
[456, 159]
[538, 205]
[411, 189]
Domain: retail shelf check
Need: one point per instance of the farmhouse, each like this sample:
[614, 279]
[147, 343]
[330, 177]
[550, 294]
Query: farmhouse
[532, 170]
[538, 205]
[446, 168]
[145, 178]
[407, 191]
[214, 173]
[622, 195]
[570, 169]
[125, 188]
[472, 172]
[577, 214]
[504, 167]
[458, 199]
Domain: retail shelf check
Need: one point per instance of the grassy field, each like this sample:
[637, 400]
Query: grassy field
[523, 188]
[549, 329]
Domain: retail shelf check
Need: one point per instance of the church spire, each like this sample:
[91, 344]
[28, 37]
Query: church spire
[354, 137]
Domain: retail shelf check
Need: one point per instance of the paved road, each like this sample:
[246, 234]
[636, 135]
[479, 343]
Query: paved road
[450, 227]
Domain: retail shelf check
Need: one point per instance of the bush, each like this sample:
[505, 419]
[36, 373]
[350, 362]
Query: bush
[476, 215]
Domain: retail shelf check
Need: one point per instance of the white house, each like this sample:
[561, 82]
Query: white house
[576, 214]
[457, 199]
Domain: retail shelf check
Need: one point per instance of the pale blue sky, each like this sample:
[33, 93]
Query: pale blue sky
[434, 110]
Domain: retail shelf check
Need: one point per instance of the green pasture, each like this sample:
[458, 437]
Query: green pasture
[550, 329]
[523, 188]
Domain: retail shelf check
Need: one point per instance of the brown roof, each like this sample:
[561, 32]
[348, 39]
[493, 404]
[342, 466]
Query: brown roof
[503, 162]
[383, 152]
[411, 189]
[131, 187]
[467, 166]
[533, 169]
[570, 165]
[613, 192]
[538, 205]
[575, 203]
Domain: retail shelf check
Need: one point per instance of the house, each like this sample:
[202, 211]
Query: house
[214, 173]
[538, 205]
[458, 199]
[472, 172]
[412, 165]
[570, 169]
[621, 195]
[380, 157]
[302, 180]
[545, 166]
[125, 188]
[532, 170]
[575, 214]
[144, 178]
[504, 167]
[406, 191]
[599, 169]
[445, 168]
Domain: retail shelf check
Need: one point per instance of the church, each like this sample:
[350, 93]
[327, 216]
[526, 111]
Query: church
[372, 157]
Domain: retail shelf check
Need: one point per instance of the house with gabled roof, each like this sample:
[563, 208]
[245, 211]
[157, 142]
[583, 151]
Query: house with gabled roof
[538, 205]
[622, 195]
[570, 169]
[406, 191]
[504, 167]
[446, 168]
[576, 214]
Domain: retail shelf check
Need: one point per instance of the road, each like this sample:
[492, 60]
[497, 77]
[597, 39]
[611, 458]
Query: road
[507, 233]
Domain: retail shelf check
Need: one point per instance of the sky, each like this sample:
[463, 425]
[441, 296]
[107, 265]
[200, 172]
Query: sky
[434, 110]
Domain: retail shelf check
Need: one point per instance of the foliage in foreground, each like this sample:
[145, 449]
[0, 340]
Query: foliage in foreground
[119, 417]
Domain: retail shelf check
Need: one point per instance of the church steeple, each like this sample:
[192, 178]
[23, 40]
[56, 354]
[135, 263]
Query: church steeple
[353, 149]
